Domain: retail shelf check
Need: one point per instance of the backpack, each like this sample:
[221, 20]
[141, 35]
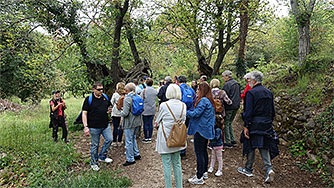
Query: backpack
[178, 133]
[78, 120]
[120, 102]
[137, 105]
[187, 96]
[218, 103]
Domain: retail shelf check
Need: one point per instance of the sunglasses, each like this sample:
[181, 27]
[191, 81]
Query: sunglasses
[101, 89]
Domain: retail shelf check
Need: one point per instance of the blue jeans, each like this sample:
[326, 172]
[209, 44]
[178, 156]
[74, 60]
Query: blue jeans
[148, 126]
[131, 144]
[95, 141]
[202, 159]
[169, 160]
[265, 158]
[118, 132]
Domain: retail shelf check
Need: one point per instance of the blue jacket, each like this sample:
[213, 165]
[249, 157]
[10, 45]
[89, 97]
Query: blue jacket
[218, 140]
[202, 119]
[258, 116]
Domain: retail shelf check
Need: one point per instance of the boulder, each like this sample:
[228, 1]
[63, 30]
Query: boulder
[310, 124]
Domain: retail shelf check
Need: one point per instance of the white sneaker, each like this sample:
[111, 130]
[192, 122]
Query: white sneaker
[107, 160]
[205, 175]
[210, 170]
[196, 181]
[114, 144]
[95, 167]
[192, 140]
[269, 176]
[218, 173]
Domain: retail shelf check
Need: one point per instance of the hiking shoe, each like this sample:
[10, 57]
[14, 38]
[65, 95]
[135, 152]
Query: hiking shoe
[150, 139]
[127, 163]
[219, 173]
[145, 141]
[114, 144]
[196, 181]
[210, 170]
[234, 143]
[269, 176]
[205, 175]
[245, 172]
[95, 167]
[210, 148]
[228, 146]
[137, 157]
[106, 160]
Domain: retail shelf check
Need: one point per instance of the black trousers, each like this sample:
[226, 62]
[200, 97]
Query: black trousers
[202, 159]
[60, 122]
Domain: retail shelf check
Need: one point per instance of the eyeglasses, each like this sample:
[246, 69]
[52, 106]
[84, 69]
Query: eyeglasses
[101, 89]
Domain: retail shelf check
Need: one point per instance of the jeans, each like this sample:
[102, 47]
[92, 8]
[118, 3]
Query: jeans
[265, 155]
[131, 143]
[228, 129]
[95, 141]
[60, 122]
[118, 132]
[148, 126]
[167, 161]
[202, 159]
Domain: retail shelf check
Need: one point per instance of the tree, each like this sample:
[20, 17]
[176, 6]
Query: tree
[302, 10]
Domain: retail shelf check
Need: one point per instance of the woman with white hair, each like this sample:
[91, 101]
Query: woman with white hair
[170, 156]
[247, 78]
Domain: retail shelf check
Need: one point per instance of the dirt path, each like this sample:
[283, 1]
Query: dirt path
[148, 172]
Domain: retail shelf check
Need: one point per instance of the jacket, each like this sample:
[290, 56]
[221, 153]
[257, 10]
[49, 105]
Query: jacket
[243, 95]
[114, 99]
[162, 93]
[202, 119]
[218, 139]
[149, 100]
[232, 89]
[130, 120]
[166, 119]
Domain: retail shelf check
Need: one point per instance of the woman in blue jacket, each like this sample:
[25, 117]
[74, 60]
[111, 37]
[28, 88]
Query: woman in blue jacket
[201, 125]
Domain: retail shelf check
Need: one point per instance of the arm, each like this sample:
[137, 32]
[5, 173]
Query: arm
[126, 107]
[53, 107]
[198, 111]
[223, 96]
[84, 121]
[247, 114]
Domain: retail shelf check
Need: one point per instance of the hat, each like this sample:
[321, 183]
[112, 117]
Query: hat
[55, 92]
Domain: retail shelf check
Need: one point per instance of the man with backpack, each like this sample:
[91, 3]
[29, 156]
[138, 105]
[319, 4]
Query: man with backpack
[133, 107]
[95, 120]
[188, 96]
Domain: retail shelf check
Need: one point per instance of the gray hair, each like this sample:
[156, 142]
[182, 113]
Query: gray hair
[130, 87]
[247, 76]
[173, 92]
[257, 76]
[227, 73]
[168, 79]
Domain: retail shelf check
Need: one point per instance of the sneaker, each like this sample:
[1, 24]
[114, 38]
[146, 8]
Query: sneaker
[210, 170]
[145, 141]
[210, 148]
[196, 181]
[119, 144]
[269, 176]
[127, 163]
[95, 167]
[234, 143]
[106, 160]
[205, 175]
[192, 140]
[245, 172]
[149, 140]
[137, 157]
[228, 146]
[219, 173]
[114, 144]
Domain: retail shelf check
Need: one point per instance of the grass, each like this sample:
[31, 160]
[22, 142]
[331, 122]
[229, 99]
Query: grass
[29, 157]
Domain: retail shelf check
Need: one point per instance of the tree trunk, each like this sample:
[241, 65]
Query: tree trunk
[244, 21]
[304, 40]
[203, 67]
[132, 44]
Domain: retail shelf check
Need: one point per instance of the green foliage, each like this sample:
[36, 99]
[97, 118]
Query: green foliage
[298, 148]
[29, 157]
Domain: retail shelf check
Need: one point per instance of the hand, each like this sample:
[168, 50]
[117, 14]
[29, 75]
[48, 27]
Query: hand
[109, 110]
[86, 131]
[246, 133]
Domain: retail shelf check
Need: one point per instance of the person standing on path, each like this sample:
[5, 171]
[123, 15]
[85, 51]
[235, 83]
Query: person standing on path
[149, 95]
[258, 115]
[96, 122]
[232, 89]
[131, 125]
[201, 125]
[162, 91]
[247, 88]
[170, 156]
[116, 114]
[57, 115]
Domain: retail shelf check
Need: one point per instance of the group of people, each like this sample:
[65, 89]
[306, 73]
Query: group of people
[206, 110]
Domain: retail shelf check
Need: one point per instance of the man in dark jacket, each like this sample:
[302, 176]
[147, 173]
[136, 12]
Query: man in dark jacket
[258, 115]
[162, 91]
[232, 89]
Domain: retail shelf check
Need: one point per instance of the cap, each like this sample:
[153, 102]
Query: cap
[55, 92]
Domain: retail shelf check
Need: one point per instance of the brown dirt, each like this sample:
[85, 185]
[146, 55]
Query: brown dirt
[148, 172]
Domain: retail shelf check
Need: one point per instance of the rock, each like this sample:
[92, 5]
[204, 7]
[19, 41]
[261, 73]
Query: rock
[332, 162]
[310, 124]
[277, 99]
[312, 157]
[302, 118]
[279, 118]
[325, 158]
[330, 169]
[309, 142]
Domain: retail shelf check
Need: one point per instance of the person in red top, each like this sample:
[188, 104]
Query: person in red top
[247, 79]
[57, 107]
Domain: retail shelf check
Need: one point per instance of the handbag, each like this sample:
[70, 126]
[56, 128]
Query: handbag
[178, 133]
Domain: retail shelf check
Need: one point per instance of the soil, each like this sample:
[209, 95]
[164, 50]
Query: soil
[148, 172]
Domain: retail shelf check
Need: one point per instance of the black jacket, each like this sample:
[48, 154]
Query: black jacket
[232, 89]
[162, 93]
